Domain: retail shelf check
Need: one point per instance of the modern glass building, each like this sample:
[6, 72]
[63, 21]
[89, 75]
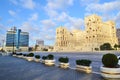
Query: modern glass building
[17, 40]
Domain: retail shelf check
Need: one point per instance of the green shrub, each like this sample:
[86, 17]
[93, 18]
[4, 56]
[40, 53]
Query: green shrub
[14, 53]
[106, 46]
[83, 62]
[30, 55]
[50, 57]
[109, 60]
[64, 60]
[19, 54]
[24, 54]
[37, 56]
[44, 57]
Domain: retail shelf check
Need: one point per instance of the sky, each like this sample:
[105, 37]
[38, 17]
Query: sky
[41, 17]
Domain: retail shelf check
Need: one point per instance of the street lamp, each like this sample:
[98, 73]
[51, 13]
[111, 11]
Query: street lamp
[13, 41]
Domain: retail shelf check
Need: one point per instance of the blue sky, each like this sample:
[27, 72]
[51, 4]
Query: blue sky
[41, 17]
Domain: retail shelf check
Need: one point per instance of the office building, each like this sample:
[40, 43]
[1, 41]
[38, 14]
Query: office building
[17, 40]
[40, 42]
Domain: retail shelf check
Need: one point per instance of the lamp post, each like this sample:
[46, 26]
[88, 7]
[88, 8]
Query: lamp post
[13, 41]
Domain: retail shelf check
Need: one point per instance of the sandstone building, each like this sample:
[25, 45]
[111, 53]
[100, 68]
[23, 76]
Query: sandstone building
[95, 34]
[118, 35]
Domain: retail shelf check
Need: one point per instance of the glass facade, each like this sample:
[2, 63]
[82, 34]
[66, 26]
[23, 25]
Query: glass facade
[17, 39]
[11, 39]
[24, 40]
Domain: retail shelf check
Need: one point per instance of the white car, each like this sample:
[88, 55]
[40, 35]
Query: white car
[118, 60]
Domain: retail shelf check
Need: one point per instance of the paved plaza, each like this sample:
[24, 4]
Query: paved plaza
[12, 68]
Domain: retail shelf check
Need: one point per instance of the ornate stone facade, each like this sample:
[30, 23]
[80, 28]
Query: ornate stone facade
[118, 35]
[95, 34]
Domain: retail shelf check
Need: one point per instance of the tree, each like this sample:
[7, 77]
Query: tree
[30, 49]
[36, 46]
[44, 49]
[97, 49]
[116, 46]
[106, 46]
[2, 50]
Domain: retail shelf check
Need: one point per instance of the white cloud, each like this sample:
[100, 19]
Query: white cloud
[87, 2]
[48, 37]
[10, 21]
[3, 30]
[58, 4]
[48, 23]
[55, 10]
[75, 23]
[54, 5]
[32, 29]
[104, 8]
[12, 13]
[107, 10]
[0, 18]
[27, 26]
[62, 17]
[117, 19]
[70, 22]
[29, 4]
[33, 17]
[14, 2]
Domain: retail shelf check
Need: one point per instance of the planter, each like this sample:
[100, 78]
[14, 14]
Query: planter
[49, 62]
[110, 72]
[119, 62]
[19, 56]
[24, 56]
[36, 60]
[29, 58]
[64, 65]
[43, 61]
[14, 55]
[87, 69]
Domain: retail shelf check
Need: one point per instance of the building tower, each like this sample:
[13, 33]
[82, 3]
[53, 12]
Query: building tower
[17, 40]
[63, 39]
[40, 42]
[93, 32]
